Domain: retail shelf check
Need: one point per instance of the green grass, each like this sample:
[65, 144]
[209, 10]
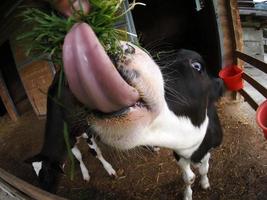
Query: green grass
[49, 28]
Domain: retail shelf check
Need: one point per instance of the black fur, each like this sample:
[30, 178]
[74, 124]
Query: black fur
[187, 89]
[60, 110]
[190, 92]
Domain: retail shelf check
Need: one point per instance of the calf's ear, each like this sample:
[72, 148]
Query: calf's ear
[218, 89]
[36, 158]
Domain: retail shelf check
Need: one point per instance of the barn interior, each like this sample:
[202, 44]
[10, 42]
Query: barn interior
[238, 166]
[164, 25]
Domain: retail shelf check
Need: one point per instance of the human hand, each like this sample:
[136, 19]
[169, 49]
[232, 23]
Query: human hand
[67, 7]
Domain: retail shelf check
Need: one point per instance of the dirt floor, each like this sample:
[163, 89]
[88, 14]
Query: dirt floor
[238, 168]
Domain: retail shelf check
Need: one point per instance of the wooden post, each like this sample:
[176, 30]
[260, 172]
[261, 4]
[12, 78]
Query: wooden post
[237, 29]
[7, 100]
[237, 37]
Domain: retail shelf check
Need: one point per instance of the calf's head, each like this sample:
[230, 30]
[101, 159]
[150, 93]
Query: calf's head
[140, 71]
[189, 89]
[127, 100]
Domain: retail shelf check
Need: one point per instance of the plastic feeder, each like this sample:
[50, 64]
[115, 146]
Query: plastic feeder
[261, 117]
[232, 77]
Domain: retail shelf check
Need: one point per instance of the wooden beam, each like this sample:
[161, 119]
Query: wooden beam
[11, 192]
[7, 100]
[235, 28]
[252, 61]
[29, 190]
[255, 84]
[249, 99]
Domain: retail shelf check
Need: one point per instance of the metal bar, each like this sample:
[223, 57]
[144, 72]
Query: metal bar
[253, 61]
[255, 84]
[130, 23]
[249, 99]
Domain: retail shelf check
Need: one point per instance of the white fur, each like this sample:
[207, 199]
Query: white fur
[188, 176]
[100, 157]
[177, 133]
[84, 135]
[37, 166]
[188, 192]
[167, 130]
[76, 152]
[203, 171]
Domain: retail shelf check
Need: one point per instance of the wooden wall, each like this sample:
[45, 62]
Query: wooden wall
[36, 75]
[231, 30]
[8, 103]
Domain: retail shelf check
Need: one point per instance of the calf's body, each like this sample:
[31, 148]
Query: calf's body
[183, 118]
[176, 110]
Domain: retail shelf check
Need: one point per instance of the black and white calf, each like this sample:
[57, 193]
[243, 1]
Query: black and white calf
[183, 119]
[63, 112]
[179, 115]
[191, 93]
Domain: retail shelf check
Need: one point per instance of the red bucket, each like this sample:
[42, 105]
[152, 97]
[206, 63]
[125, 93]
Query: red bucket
[261, 117]
[232, 77]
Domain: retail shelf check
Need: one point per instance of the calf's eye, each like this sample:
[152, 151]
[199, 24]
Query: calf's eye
[197, 66]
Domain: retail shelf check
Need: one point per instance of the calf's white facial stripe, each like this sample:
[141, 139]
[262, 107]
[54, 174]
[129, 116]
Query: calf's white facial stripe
[37, 166]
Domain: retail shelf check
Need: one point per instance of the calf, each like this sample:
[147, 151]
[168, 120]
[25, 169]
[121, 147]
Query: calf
[63, 112]
[191, 93]
[183, 119]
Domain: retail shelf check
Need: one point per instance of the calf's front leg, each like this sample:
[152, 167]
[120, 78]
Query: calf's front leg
[188, 175]
[77, 154]
[98, 154]
[203, 169]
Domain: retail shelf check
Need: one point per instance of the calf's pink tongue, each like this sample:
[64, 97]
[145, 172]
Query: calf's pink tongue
[91, 75]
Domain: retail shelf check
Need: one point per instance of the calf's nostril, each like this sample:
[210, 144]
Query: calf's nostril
[128, 49]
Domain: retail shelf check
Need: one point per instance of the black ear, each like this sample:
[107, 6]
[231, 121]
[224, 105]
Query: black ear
[218, 89]
[37, 158]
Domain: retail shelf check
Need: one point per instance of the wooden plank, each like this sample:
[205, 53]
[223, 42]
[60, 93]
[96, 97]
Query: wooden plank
[253, 61]
[7, 100]
[236, 28]
[28, 189]
[36, 78]
[227, 40]
[249, 99]
[231, 27]
[11, 192]
[255, 84]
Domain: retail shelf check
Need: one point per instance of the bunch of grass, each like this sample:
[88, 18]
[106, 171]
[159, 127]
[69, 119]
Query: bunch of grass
[50, 28]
